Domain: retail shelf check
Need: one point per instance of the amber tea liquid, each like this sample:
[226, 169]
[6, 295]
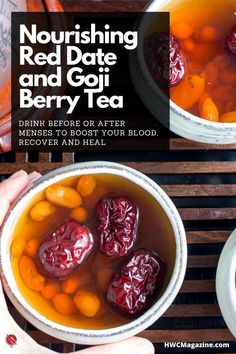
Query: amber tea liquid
[201, 27]
[154, 233]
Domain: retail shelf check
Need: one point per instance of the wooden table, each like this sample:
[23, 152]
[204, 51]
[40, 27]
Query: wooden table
[202, 187]
[201, 180]
[203, 191]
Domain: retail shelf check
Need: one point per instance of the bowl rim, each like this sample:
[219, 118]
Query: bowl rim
[152, 7]
[225, 283]
[149, 316]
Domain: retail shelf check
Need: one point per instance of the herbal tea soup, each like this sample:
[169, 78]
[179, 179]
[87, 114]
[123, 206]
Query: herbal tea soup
[93, 251]
[202, 44]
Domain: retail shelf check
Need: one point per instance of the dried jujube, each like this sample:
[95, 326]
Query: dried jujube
[135, 282]
[64, 249]
[231, 42]
[164, 58]
[117, 225]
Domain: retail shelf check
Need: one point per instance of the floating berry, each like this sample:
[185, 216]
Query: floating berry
[64, 249]
[117, 225]
[135, 282]
[11, 339]
[164, 58]
[231, 42]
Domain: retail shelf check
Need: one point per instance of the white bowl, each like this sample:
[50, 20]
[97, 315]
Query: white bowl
[84, 336]
[225, 283]
[182, 122]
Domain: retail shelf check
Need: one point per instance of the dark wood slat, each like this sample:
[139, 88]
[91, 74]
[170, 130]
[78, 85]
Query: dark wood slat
[43, 167]
[192, 335]
[184, 144]
[68, 157]
[206, 237]
[200, 190]
[207, 213]
[203, 310]
[68, 347]
[20, 320]
[185, 167]
[145, 167]
[21, 157]
[208, 261]
[44, 156]
[198, 286]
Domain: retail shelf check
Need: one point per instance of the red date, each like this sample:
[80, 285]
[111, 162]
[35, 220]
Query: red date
[64, 249]
[231, 42]
[117, 225]
[164, 58]
[135, 282]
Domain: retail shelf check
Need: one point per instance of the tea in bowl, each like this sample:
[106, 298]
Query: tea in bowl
[202, 68]
[93, 253]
